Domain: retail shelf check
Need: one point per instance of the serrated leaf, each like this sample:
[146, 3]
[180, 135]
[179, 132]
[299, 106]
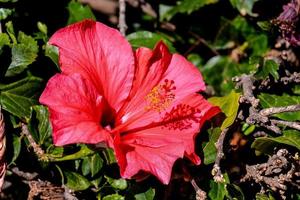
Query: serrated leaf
[76, 181]
[244, 6]
[147, 39]
[4, 40]
[229, 105]
[113, 197]
[120, 184]
[269, 100]
[23, 54]
[267, 144]
[4, 13]
[187, 6]
[210, 150]
[43, 129]
[79, 12]
[148, 195]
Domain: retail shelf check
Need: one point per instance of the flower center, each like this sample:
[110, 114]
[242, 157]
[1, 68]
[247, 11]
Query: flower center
[181, 117]
[161, 96]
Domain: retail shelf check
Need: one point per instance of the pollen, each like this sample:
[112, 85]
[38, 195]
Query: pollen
[181, 117]
[161, 96]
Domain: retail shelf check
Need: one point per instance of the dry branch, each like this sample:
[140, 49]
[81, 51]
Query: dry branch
[122, 17]
[216, 171]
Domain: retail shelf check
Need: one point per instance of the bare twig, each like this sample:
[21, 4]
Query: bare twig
[46, 190]
[216, 171]
[2, 150]
[276, 110]
[26, 175]
[200, 194]
[294, 125]
[36, 148]
[295, 77]
[277, 173]
[122, 17]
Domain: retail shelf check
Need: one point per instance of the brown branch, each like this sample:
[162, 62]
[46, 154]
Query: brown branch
[216, 171]
[26, 175]
[294, 125]
[276, 110]
[36, 148]
[200, 194]
[2, 149]
[122, 17]
[277, 173]
[295, 77]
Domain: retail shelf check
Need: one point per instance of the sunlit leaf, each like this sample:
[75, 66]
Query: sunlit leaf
[23, 54]
[210, 150]
[148, 195]
[187, 6]
[120, 184]
[267, 144]
[113, 197]
[78, 12]
[147, 39]
[76, 181]
[229, 105]
[269, 100]
[5, 12]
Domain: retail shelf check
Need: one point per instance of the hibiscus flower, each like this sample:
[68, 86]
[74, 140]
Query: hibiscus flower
[143, 103]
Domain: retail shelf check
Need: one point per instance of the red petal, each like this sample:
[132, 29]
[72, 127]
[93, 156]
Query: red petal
[149, 151]
[154, 68]
[99, 54]
[75, 110]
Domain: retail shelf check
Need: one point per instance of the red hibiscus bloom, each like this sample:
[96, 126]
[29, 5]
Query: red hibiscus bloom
[143, 104]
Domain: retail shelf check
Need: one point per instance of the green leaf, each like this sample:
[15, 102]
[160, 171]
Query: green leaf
[10, 30]
[23, 54]
[235, 192]
[16, 105]
[269, 67]
[84, 151]
[187, 6]
[96, 164]
[85, 166]
[264, 197]
[79, 12]
[210, 150]
[52, 52]
[4, 40]
[217, 191]
[113, 197]
[148, 39]
[5, 1]
[18, 97]
[244, 6]
[91, 164]
[269, 100]
[43, 130]
[42, 27]
[267, 144]
[120, 184]
[17, 148]
[76, 181]
[148, 195]
[4, 13]
[229, 105]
